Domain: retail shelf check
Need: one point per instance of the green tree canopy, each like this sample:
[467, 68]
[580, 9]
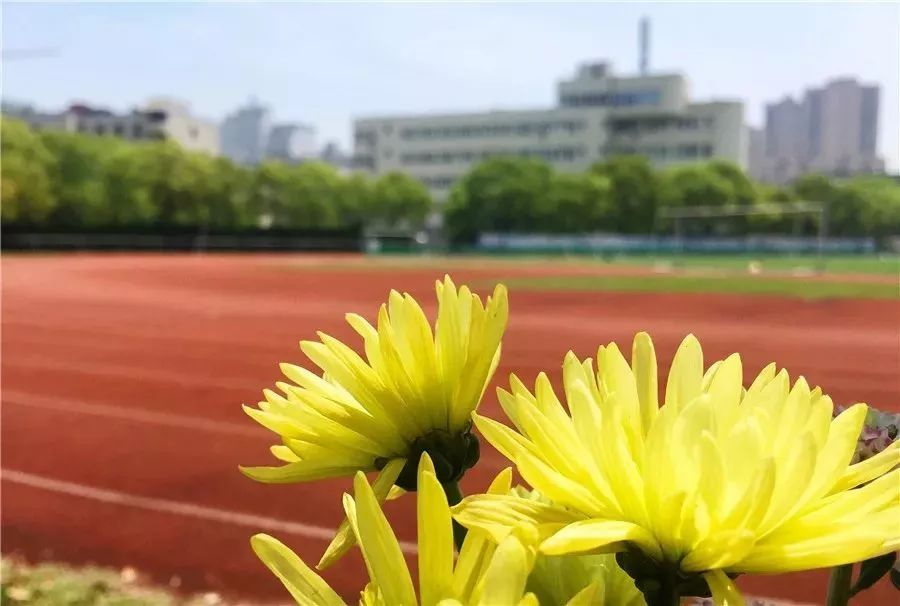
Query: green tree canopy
[25, 184]
[77, 177]
[399, 200]
[634, 192]
[745, 192]
[502, 194]
[579, 203]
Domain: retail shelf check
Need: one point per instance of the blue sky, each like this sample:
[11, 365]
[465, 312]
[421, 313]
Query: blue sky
[326, 63]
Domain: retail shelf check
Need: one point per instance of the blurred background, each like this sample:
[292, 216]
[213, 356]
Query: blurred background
[218, 181]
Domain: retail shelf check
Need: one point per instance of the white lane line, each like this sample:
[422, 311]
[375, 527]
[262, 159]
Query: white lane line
[178, 508]
[136, 373]
[131, 414]
[488, 460]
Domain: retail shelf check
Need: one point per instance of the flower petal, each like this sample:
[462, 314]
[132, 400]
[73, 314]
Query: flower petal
[380, 548]
[344, 538]
[597, 535]
[435, 532]
[306, 587]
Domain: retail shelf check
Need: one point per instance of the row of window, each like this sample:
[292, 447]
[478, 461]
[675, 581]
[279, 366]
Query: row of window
[617, 99]
[367, 162]
[543, 128]
[655, 125]
[551, 154]
[438, 182]
[616, 127]
[133, 130]
[687, 151]
[684, 151]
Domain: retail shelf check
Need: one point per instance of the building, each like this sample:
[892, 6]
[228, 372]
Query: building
[159, 119]
[843, 128]
[179, 125]
[756, 150]
[832, 130]
[597, 114]
[291, 142]
[245, 133]
[332, 154]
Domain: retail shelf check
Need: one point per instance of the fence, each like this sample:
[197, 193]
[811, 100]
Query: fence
[343, 240]
[601, 244]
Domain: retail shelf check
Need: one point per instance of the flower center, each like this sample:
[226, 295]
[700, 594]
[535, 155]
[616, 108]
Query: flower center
[452, 455]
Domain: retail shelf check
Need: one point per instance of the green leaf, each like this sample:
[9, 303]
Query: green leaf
[871, 570]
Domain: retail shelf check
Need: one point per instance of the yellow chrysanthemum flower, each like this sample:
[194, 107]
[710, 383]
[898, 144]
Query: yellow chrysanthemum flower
[718, 480]
[483, 574]
[414, 392]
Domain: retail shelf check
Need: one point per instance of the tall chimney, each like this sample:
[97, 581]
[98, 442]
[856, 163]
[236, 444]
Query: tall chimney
[644, 41]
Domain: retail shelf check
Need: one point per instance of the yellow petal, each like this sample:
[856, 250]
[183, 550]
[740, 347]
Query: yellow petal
[686, 374]
[435, 532]
[504, 579]
[380, 547]
[344, 539]
[597, 535]
[306, 587]
[589, 596]
[871, 468]
[302, 471]
[643, 363]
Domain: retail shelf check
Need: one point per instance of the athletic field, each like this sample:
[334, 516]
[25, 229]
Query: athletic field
[123, 377]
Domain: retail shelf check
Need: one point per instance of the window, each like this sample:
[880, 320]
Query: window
[364, 162]
[366, 137]
[687, 151]
[618, 99]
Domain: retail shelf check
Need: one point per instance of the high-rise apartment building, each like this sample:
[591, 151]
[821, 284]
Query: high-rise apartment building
[245, 134]
[832, 130]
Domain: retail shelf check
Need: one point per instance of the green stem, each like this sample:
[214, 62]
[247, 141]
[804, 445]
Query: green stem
[839, 585]
[666, 593]
[454, 496]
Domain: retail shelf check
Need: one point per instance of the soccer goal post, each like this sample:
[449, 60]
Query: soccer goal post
[677, 219]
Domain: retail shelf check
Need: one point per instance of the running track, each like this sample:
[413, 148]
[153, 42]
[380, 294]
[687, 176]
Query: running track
[123, 378]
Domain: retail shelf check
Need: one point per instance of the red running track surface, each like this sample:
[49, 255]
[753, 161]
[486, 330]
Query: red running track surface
[123, 377]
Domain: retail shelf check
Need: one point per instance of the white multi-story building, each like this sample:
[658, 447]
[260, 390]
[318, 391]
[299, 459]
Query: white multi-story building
[158, 119]
[180, 125]
[598, 114]
[291, 142]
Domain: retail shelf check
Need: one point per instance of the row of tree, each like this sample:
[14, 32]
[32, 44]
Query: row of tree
[64, 180]
[624, 194]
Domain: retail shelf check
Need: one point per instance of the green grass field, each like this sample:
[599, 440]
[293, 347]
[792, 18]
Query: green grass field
[850, 264]
[729, 284]
[806, 277]
[846, 264]
[62, 585]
